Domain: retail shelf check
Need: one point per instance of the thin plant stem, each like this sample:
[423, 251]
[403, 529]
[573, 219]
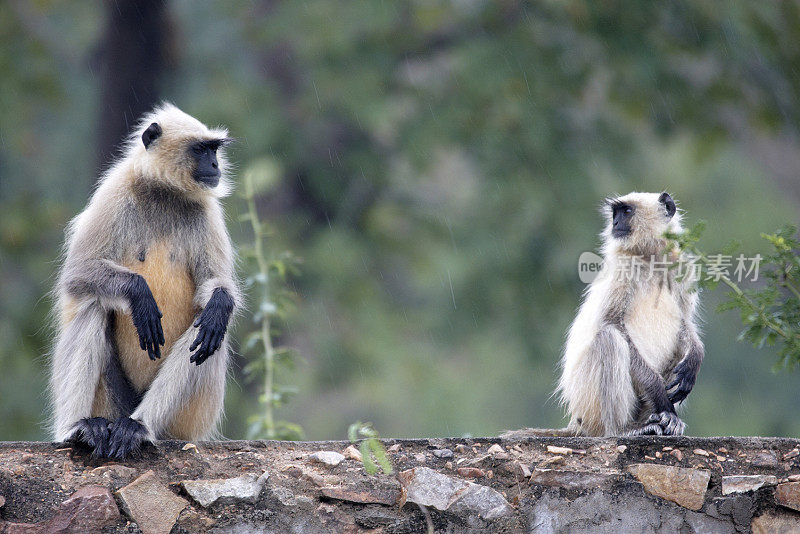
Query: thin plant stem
[266, 339]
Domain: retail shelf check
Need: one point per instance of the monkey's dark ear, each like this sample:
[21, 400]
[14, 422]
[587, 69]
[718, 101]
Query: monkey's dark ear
[669, 204]
[152, 133]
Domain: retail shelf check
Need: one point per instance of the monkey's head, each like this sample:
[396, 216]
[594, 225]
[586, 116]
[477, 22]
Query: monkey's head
[181, 152]
[637, 222]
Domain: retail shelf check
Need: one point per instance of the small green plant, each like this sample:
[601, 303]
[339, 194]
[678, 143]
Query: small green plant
[373, 453]
[267, 280]
[770, 311]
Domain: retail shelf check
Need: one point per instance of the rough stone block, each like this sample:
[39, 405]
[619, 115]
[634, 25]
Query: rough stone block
[426, 487]
[683, 486]
[243, 488]
[151, 504]
[743, 483]
[776, 523]
[788, 495]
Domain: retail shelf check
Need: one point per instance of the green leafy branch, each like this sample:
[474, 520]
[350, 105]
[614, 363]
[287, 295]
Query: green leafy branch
[275, 301]
[769, 312]
[373, 453]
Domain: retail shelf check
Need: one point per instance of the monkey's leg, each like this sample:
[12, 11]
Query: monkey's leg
[616, 391]
[81, 353]
[651, 388]
[179, 384]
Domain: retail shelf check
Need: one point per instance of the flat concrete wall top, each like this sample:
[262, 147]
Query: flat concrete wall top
[539, 484]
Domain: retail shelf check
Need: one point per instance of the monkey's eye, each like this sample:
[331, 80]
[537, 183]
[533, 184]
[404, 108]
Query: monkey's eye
[198, 149]
[214, 144]
[628, 210]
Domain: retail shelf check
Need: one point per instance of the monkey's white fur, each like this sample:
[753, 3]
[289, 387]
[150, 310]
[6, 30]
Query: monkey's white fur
[103, 241]
[596, 384]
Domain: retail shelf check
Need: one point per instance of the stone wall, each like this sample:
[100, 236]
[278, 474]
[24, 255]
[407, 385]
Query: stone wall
[544, 484]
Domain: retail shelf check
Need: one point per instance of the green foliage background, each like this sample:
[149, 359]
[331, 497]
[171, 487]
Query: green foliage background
[439, 168]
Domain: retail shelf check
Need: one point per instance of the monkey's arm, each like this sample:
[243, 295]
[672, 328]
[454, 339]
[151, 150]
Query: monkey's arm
[217, 292]
[117, 288]
[685, 373]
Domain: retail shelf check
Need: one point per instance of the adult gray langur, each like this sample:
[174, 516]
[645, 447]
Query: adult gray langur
[148, 271]
[633, 351]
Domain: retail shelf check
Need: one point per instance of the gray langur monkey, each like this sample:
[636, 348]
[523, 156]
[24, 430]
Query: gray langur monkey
[634, 350]
[148, 264]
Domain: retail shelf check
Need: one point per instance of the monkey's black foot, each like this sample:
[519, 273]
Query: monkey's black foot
[650, 429]
[660, 424]
[94, 433]
[669, 422]
[127, 437]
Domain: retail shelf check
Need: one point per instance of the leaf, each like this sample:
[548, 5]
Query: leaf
[288, 431]
[252, 340]
[380, 455]
[366, 459]
[254, 369]
[352, 431]
[731, 248]
[279, 267]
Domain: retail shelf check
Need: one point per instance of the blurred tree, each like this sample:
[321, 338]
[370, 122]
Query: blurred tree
[133, 56]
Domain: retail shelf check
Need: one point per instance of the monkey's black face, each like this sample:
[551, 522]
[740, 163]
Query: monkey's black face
[622, 214]
[206, 170]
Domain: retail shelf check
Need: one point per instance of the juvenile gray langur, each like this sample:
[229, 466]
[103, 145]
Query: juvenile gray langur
[148, 271]
[633, 351]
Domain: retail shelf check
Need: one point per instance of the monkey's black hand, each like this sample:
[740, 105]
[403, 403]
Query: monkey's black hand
[146, 317]
[213, 323]
[93, 432]
[127, 436]
[684, 376]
